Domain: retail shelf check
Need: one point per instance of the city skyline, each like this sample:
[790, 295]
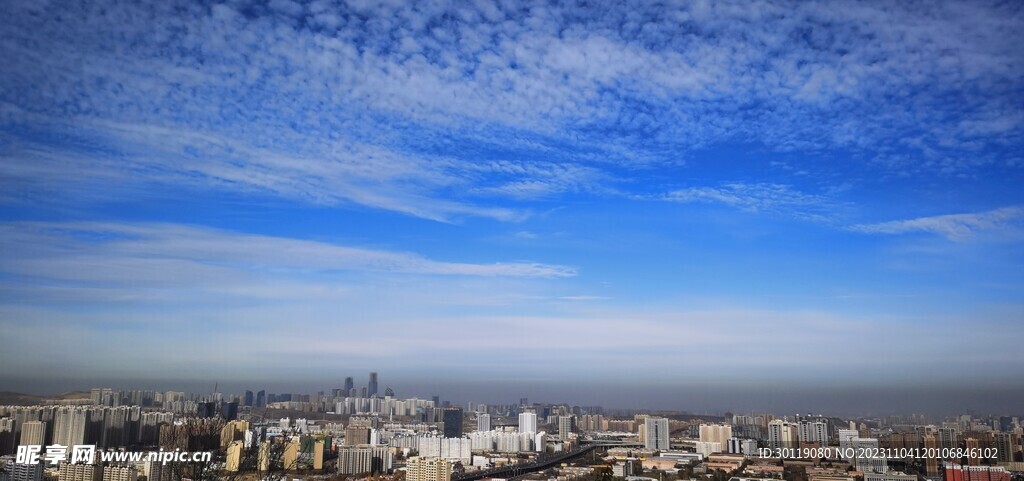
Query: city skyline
[703, 203]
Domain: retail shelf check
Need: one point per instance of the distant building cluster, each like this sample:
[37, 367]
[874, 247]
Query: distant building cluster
[364, 432]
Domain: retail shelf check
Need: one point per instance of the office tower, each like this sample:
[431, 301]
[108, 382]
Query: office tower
[527, 422]
[248, 398]
[229, 411]
[428, 469]
[362, 392]
[349, 385]
[656, 433]
[388, 392]
[261, 399]
[781, 434]
[33, 433]
[25, 472]
[958, 472]
[566, 426]
[80, 472]
[371, 459]
[206, 409]
[716, 433]
[452, 418]
[371, 387]
[120, 473]
[483, 422]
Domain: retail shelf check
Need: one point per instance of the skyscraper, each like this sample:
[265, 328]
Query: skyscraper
[452, 418]
[261, 399]
[371, 387]
[229, 410]
[656, 432]
[247, 400]
[527, 422]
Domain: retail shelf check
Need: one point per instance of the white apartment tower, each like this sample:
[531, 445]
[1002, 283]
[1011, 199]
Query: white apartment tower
[656, 433]
[527, 422]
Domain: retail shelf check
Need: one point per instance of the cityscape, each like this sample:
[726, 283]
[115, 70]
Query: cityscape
[361, 431]
[511, 240]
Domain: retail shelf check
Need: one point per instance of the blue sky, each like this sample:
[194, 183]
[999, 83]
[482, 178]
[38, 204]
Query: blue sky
[513, 190]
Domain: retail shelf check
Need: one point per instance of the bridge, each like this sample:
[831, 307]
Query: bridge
[541, 463]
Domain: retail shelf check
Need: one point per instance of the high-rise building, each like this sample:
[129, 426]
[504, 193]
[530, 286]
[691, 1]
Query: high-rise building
[452, 418]
[7, 440]
[261, 401]
[716, 433]
[781, 434]
[527, 422]
[80, 472]
[25, 472]
[656, 433]
[428, 469]
[233, 460]
[229, 411]
[33, 433]
[813, 432]
[120, 473]
[247, 399]
[157, 471]
[483, 422]
[290, 459]
[931, 463]
[349, 385]
[71, 423]
[1003, 443]
[372, 459]
[566, 426]
[356, 435]
[371, 387]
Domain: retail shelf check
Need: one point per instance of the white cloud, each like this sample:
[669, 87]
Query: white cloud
[956, 227]
[759, 197]
[159, 253]
[358, 101]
